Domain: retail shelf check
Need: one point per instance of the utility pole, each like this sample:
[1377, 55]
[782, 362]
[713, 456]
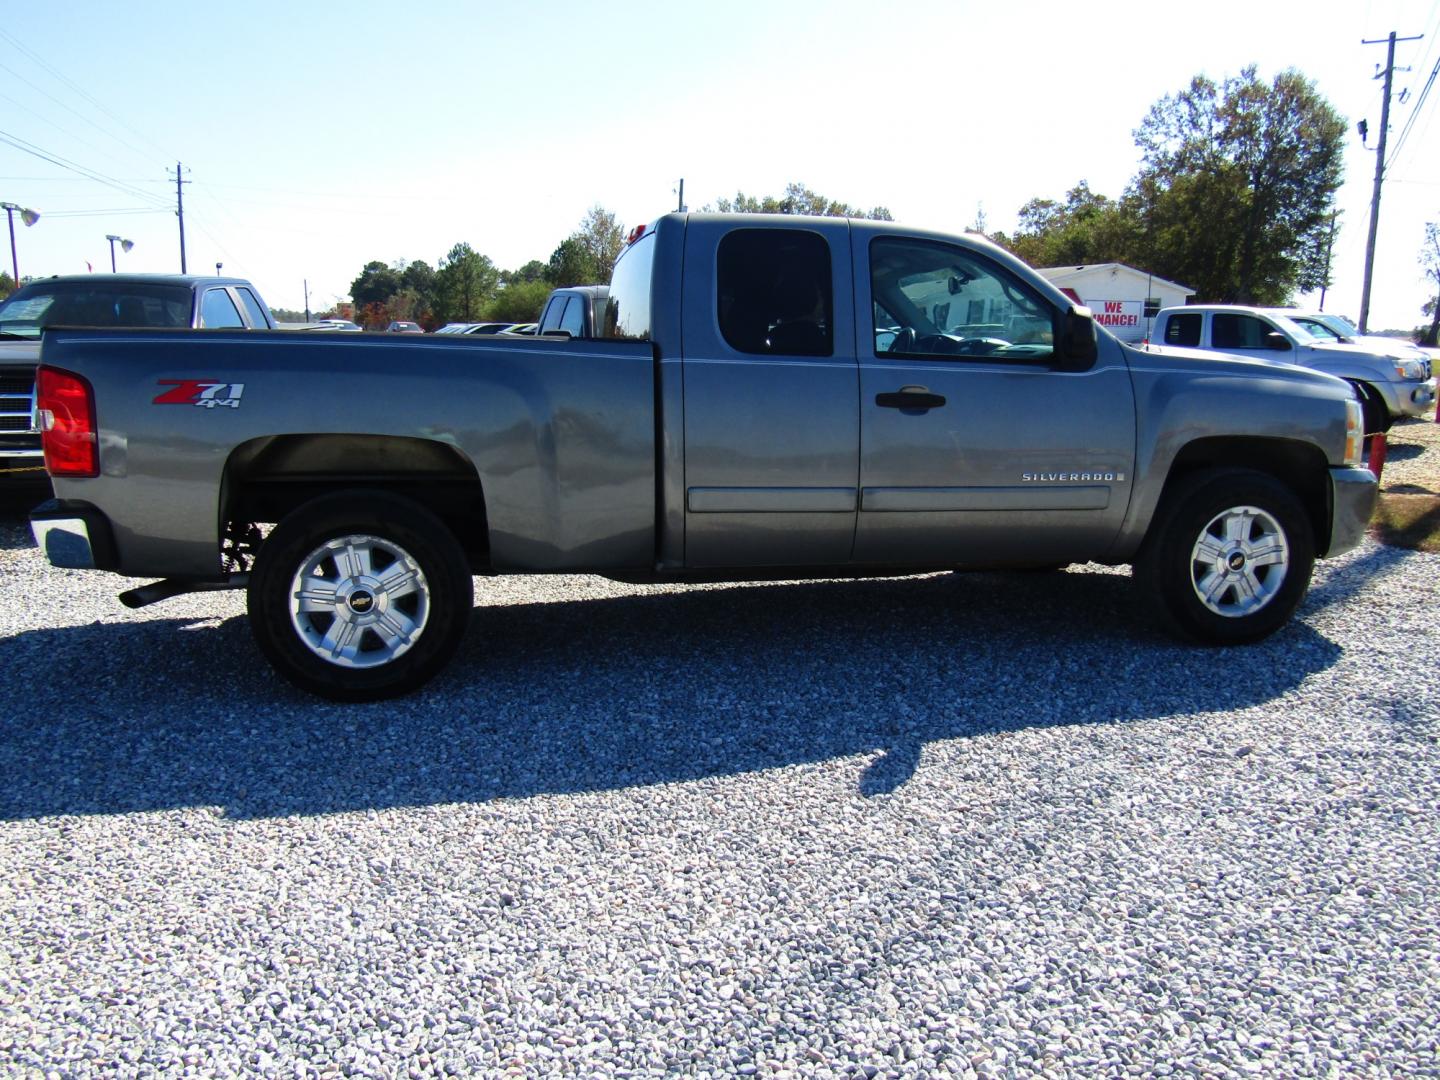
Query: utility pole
[1329, 250]
[1389, 76]
[180, 213]
[680, 206]
[305, 283]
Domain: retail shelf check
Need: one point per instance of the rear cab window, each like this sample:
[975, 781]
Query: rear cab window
[39, 305]
[1184, 329]
[775, 294]
[626, 313]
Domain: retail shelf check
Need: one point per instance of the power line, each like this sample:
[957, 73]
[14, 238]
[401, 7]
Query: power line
[77, 179]
[64, 163]
[1410, 120]
[71, 85]
[51, 125]
[102, 213]
[67, 108]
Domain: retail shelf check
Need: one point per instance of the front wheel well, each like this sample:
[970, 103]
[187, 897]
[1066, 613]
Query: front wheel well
[267, 479]
[1374, 406]
[1300, 466]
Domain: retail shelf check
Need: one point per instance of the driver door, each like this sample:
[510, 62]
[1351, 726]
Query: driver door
[975, 447]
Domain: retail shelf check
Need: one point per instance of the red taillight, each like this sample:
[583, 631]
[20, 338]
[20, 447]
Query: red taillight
[65, 407]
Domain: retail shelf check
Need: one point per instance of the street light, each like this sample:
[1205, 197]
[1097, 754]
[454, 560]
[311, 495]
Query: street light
[125, 246]
[29, 217]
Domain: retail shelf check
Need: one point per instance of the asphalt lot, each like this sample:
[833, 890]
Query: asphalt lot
[981, 824]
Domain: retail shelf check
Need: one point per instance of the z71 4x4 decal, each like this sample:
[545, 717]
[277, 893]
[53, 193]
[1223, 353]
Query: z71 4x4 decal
[202, 392]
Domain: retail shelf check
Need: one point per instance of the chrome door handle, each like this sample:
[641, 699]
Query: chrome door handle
[918, 398]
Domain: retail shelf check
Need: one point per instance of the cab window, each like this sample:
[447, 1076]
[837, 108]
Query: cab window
[1184, 329]
[627, 310]
[1318, 330]
[573, 320]
[1231, 331]
[217, 309]
[935, 301]
[253, 308]
[554, 312]
[775, 293]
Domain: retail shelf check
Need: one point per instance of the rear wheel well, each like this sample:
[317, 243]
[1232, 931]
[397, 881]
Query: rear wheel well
[267, 479]
[1300, 466]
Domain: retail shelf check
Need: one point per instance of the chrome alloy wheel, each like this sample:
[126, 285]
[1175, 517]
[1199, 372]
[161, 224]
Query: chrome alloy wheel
[359, 601]
[1239, 561]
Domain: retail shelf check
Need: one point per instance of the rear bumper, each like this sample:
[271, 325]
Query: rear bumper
[73, 536]
[1353, 494]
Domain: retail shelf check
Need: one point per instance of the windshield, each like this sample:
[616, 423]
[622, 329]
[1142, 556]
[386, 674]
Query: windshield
[1320, 331]
[43, 304]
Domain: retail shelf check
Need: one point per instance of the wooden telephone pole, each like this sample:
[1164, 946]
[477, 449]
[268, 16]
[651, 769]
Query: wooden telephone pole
[1389, 75]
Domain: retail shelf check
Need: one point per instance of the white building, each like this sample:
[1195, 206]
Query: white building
[1123, 299]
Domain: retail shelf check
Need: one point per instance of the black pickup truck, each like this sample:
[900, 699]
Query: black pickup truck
[131, 300]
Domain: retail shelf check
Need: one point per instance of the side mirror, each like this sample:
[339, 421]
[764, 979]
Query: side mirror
[1277, 342]
[1078, 349]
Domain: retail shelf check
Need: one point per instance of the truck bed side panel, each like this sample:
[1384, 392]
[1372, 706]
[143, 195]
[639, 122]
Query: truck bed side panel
[546, 424]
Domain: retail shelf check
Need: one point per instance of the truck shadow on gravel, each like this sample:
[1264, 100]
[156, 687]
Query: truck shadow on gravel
[602, 694]
[15, 507]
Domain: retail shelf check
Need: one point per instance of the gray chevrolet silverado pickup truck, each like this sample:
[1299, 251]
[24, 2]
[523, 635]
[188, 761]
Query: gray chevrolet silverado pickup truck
[768, 397]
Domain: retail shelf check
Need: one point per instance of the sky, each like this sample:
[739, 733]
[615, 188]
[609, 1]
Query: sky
[316, 137]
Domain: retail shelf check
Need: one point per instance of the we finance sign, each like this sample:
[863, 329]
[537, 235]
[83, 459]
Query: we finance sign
[1117, 314]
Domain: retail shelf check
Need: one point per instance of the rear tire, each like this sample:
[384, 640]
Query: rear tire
[359, 596]
[1228, 557]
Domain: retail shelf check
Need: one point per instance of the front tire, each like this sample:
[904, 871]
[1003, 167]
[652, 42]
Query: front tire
[1228, 557]
[360, 596]
[1372, 405]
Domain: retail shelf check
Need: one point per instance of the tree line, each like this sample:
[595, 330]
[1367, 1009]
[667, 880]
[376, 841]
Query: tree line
[1234, 198]
[467, 286]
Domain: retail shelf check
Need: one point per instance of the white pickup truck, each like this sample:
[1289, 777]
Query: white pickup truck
[1389, 385]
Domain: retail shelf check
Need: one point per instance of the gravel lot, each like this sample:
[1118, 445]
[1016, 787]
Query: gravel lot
[948, 825]
[1412, 458]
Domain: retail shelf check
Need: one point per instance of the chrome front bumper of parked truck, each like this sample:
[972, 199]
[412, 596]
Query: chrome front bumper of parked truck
[1353, 494]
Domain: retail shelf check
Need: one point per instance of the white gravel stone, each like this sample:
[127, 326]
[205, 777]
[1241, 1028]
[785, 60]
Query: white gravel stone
[954, 825]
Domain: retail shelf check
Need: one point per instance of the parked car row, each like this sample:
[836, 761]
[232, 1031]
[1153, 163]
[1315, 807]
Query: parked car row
[408, 326]
[1392, 378]
[172, 301]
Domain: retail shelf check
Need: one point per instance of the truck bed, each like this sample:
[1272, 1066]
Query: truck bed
[563, 433]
